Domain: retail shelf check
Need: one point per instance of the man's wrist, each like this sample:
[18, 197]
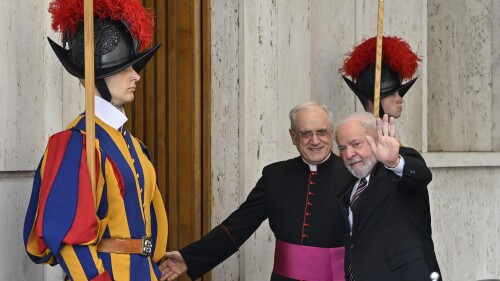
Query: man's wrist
[395, 165]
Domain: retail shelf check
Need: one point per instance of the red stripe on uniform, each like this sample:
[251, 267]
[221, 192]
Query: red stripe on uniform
[119, 178]
[55, 154]
[84, 228]
[102, 277]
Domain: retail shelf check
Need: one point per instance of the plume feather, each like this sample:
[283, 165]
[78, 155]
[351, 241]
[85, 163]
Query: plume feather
[396, 53]
[68, 14]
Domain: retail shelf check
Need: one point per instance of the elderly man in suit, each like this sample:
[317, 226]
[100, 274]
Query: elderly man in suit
[386, 208]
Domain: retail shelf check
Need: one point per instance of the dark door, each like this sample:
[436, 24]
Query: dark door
[171, 115]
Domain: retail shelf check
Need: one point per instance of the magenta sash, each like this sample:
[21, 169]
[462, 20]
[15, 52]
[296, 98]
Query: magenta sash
[309, 263]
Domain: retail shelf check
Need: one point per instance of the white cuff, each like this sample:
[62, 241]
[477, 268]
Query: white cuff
[398, 170]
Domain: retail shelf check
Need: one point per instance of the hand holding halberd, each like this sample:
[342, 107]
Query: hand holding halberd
[386, 147]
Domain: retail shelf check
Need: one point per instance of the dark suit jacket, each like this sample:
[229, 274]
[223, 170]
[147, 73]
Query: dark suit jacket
[290, 197]
[391, 233]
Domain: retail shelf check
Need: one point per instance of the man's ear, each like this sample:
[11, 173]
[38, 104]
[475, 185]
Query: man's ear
[292, 135]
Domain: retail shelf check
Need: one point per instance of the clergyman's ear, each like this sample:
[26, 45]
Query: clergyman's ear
[293, 136]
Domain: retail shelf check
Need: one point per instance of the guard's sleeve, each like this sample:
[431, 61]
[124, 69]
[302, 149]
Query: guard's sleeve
[225, 239]
[61, 225]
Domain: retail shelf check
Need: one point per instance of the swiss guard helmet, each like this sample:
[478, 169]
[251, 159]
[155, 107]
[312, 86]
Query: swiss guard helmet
[123, 31]
[399, 63]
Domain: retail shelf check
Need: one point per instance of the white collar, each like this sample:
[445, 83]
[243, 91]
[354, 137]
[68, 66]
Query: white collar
[314, 167]
[108, 113]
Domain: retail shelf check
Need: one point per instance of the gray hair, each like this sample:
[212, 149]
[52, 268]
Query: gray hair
[308, 105]
[366, 119]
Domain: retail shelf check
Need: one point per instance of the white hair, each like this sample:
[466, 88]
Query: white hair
[366, 119]
[308, 105]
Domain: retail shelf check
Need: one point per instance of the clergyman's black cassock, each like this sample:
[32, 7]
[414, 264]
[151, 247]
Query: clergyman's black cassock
[300, 205]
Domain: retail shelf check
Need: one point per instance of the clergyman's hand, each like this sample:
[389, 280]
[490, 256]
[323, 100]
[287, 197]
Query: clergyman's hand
[172, 267]
[386, 148]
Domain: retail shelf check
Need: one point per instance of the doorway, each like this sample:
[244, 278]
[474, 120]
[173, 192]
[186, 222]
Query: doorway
[171, 115]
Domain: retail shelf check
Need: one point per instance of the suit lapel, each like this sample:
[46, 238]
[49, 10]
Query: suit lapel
[377, 190]
[343, 200]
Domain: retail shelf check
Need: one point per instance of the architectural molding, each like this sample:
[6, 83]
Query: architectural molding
[462, 159]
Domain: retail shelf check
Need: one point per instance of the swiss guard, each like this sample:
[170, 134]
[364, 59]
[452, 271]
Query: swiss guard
[122, 233]
[399, 63]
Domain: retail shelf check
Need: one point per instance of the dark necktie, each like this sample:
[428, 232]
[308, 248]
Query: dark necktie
[361, 187]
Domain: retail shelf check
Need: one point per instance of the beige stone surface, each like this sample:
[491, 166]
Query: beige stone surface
[23, 83]
[259, 107]
[459, 69]
[466, 222]
[225, 122]
[14, 263]
[495, 105]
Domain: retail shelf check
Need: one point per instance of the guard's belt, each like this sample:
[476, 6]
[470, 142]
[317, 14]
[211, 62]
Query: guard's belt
[142, 246]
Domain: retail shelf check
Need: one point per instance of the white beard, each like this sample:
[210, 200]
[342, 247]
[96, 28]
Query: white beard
[365, 169]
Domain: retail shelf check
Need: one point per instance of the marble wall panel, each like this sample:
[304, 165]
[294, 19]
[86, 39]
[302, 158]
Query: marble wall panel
[293, 50]
[459, 75]
[22, 90]
[225, 121]
[495, 72]
[14, 262]
[332, 35]
[258, 112]
[466, 222]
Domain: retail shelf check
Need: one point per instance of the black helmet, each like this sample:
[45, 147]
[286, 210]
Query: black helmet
[114, 50]
[399, 63]
[390, 82]
[122, 30]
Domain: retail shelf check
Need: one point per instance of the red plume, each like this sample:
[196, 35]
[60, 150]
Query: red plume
[67, 14]
[396, 54]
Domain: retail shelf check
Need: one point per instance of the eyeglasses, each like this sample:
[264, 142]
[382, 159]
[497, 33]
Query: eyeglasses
[305, 135]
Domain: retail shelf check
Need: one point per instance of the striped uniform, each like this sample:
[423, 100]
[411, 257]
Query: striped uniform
[62, 224]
